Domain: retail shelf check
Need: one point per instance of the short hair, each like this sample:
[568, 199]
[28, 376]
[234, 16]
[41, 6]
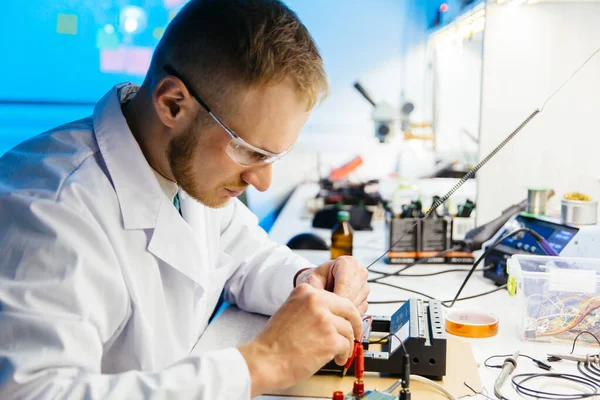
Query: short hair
[214, 43]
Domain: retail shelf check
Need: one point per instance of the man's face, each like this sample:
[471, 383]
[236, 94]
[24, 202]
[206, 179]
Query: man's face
[269, 118]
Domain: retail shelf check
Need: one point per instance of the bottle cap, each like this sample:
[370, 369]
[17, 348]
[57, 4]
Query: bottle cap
[343, 216]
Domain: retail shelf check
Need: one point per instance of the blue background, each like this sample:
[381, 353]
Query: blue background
[51, 78]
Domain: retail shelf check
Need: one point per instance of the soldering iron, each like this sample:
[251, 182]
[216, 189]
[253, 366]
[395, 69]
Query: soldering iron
[473, 241]
[472, 172]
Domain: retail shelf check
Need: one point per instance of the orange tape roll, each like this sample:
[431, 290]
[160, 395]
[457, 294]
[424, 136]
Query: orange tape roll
[471, 324]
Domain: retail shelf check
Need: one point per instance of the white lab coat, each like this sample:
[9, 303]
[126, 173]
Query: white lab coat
[104, 287]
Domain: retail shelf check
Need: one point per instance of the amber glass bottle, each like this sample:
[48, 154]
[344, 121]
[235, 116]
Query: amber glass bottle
[341, 236]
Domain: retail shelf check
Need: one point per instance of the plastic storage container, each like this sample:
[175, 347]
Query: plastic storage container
[558, 297]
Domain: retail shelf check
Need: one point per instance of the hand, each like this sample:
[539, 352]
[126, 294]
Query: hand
[310, 329]
[342, 276]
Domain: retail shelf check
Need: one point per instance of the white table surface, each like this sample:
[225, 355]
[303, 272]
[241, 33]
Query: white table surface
[368, 245]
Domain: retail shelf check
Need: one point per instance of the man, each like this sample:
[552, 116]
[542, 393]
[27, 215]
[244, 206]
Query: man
[119, 232]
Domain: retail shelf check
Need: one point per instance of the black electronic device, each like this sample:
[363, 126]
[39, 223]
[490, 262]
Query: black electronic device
[556, 233]
[475, 238]
[420, 326]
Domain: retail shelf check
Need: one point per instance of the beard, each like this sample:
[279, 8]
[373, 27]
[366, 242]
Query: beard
[181, 154]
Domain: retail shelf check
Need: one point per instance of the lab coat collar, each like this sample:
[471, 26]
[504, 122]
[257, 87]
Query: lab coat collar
[143, 203]
[139, 192]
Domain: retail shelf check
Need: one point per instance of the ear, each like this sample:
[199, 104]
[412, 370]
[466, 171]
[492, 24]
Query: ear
[173, 103]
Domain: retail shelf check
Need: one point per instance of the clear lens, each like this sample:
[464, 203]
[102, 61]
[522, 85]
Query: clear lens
[246, 156]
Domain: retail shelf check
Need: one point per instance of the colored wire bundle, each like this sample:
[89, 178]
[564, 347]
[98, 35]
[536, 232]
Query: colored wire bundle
[562, 315]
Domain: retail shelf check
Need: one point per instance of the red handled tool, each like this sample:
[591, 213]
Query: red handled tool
[359, 372]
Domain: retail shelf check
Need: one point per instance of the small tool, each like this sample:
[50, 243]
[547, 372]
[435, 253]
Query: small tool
[509, 365]
[587, 359]
[348, 364]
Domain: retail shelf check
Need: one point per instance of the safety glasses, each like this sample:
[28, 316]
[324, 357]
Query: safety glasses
[237, 149]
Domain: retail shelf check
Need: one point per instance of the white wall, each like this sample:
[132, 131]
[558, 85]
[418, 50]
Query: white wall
[458, 72]
[529, 51]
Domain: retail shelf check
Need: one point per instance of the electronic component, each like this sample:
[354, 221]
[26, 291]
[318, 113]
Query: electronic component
[422, 238]
[560, 315]
[421, 328]
[566, 240]
[475, 238]
[369, 395]
[481, 163]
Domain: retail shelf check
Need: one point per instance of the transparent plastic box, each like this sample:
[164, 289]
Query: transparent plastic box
[558, 297]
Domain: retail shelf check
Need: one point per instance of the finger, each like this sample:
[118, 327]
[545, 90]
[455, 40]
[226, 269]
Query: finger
[315, 280]
[363, 294]
[347, 278]
[343, 350]
[344, 308]
[344, 329]
[363, 307]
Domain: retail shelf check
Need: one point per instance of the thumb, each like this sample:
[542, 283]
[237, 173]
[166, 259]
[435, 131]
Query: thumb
[313, 278]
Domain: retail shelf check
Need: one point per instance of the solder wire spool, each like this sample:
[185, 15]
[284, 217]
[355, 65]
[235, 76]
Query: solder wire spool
[471, 323]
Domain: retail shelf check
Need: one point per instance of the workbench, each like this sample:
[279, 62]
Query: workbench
[368, 245]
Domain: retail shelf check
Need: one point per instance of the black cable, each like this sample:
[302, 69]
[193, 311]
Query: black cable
[405, 289]
[519, 380]
[585, 370]
[537, 362]
[594, 369]
[499, 288]
[450, 303]
[581, 333]
[407, 266]
[588, 370]
[480, 259]
[446, 271]
[405, 379]
[485, 363]
[389, 336]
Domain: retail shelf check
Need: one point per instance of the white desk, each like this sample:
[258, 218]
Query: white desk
[368, 245]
